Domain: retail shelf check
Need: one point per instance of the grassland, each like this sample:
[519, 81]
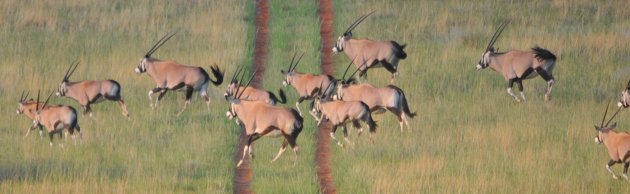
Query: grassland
[469, 136]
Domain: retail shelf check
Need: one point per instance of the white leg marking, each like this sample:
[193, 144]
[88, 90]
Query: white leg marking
[523, 96]
[509, 91]
[611, 172]
[297, 105]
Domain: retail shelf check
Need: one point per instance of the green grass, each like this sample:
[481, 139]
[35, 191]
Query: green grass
[469, 136]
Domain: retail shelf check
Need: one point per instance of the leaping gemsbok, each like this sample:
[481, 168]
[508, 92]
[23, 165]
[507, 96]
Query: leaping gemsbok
[390, 98]
[89, 92]
[252, 93]
[261, 119]
[170, 75]
[617, 143]
[56, 119]
[339, 113]
[385, 54]
[306, 84]
[516, 66]
[625, 97]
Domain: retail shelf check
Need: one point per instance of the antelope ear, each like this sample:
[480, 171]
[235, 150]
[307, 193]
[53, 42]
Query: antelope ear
[597, 128]
[628, 86]
[612, 126]
[282, 71]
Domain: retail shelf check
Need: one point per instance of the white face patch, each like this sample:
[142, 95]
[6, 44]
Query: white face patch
[284, 83]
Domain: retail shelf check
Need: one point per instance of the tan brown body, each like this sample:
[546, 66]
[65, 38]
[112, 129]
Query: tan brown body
[617, 143]
[516, 66]
[368, 54]
[170, 75]
[261, 119]
[91, 92]
[390, 97]
[339, 113]
[306, 85]
[54, 118]
[255, 94]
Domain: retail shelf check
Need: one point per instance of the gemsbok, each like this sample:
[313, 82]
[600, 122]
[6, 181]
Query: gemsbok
[252, 93]
[625, 97]
[305, 84]
[516, 66]
[261, 119]
[90, 92]
[339, 113]
[170, 75]
[617, 143]
[385, 54]
[56, 119]
[390, 97]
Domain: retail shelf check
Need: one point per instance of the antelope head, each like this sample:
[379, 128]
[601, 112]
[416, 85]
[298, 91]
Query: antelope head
[63, 86]
[625, 97]
[22, 103]
[603, 129]
[320, 96]
[485, 57]
[234, 83]
[142, 67]
[290, 72]
[343, 82]
[235, 99]
[37, 120]
[340, 44]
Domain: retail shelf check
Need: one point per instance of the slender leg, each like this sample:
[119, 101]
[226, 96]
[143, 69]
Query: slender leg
[625, 170]
[548, 78]
[122, 105]
[151, 92]
[520, 88]
[509, 89]
[189, 92]
[314, 116]
[51, 135]
[297, 105]
[206, 98]
[332, 135]
[293, 145]
[282, 149]
[345, 135]
[245, 150]
[610, 164]
[88, 110]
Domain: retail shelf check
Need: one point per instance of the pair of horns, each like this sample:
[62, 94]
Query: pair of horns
[353, 73]
[321, 86]
[236, 73]
[70, 71]
[496, 35]
[293, 65]
[159, 44]
[23, 97]
[356, 23]
[45, 103]
[611, 118]
[238, 95]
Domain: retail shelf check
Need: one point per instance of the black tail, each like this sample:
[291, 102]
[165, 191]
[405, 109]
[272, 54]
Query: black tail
[543, 54]
[399, 50]
[217, 74]
[298, 125]
[371, 124]
[283, 96]
[403, 99]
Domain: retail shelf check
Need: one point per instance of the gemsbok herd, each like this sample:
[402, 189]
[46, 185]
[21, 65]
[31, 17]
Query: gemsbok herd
[338, 101]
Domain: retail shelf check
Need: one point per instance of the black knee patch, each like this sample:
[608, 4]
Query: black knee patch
[520, 84]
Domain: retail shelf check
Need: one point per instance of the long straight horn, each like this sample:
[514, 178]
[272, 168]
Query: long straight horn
[37, 102]
[248, 82]
[73, 69]
[22, 96]
[297, 62]
[291, 64]
[357, 22]
[159, 43]
[611, 118]
[355, 71]
[604, 119]
[47, 98]
[343, 77]
[496, 35]
[235, 75]
[65, 76]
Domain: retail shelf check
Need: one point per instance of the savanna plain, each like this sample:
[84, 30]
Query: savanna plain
[469, 135]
